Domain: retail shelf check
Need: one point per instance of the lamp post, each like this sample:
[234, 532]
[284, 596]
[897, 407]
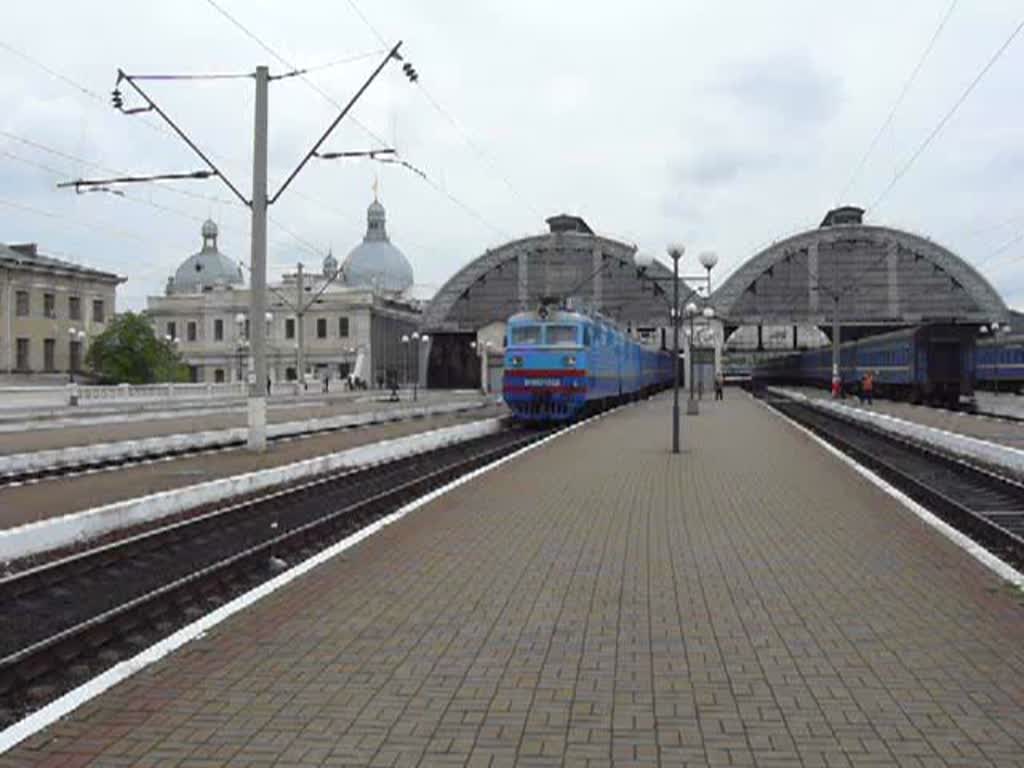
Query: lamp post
[241, 343]
[405, 358]
[709, 315]
[691, 403]
[675, 252]
[424, 339]
[995, 329]
[76, 336]
[708, 260]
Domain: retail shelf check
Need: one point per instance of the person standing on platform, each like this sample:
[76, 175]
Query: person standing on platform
[868, 386]
[719, 394]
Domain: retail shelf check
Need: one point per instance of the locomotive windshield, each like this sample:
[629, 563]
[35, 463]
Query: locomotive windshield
[562, 335]
[524, 334]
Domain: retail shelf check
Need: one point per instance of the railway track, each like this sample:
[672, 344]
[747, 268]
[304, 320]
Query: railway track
[987, 507]
[65, 621]
[87, 466]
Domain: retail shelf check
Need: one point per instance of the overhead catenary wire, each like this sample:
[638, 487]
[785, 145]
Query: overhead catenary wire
[482, 155]
[947, 117]
[252, 36]
[899, 101]
[302, 242]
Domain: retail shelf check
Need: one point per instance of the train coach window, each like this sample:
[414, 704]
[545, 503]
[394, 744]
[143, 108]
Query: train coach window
[524, 334]
[561, 335]
[586, 335]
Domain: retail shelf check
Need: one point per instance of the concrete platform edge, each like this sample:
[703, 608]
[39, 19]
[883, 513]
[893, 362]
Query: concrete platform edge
[984, 451]
[45, 535]
[38, 461]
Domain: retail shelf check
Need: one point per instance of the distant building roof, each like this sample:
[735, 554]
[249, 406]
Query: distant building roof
[207, 268]
[376, 262]
[844, 214]
[564, 222]
[27, 255]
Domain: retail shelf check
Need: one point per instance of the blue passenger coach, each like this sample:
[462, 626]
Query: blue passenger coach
[1001, 363]
[932, 363]
[560, 364]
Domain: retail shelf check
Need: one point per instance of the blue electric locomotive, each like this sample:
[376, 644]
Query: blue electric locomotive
[560, 364]
[930, 363]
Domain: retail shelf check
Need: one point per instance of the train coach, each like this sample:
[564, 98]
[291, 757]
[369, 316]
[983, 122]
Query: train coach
[1000, 364]
[561, 364]
[927, 364]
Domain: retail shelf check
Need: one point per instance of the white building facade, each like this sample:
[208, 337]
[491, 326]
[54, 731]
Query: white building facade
[351, 320]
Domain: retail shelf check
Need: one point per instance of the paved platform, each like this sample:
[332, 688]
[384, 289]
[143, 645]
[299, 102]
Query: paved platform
[1001, 431]
[203, 417]
[601, 602]
[61, 496]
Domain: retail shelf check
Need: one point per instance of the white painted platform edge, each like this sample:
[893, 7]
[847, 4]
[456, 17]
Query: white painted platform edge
[70, 701]
[991, 453]
[55, 533]
[1001, 568]
[36, 461]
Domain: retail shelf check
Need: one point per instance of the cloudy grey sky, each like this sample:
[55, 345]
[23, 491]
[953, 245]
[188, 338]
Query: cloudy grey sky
[725, 125]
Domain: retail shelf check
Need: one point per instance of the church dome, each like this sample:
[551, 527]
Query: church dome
[375, 262]
[207, 268]
[330, 265]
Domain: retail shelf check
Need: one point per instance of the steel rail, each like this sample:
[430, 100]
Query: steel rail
[980, 524]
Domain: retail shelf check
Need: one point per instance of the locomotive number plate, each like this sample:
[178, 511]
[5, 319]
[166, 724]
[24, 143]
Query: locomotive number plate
[541, 382]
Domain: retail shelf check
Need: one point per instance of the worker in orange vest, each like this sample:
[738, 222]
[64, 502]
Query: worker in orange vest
[837, 384]
[868, 386]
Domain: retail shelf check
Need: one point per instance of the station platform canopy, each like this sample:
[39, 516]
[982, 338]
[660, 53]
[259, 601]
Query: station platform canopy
[568, 262]
[877, 278]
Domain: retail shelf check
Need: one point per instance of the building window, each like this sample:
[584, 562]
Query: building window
[49, 305]
[49, 347]
[218, 375]
[190, 330]
[289, 374]
[343, 327]
[344, 369]
[22, 359]
[321, 327]
[74, 308]
[75, 354]
[172, 330]
[97, 311]
[21, 300]
[218, 331]
[289, 328]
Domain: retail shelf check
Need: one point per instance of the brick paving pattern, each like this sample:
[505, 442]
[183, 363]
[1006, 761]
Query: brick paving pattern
[600, 602]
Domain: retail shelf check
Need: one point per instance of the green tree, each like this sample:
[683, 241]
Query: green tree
[128, 352]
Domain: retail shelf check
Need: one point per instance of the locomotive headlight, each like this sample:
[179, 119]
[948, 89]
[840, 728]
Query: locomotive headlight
[569, 361]
[515, 361]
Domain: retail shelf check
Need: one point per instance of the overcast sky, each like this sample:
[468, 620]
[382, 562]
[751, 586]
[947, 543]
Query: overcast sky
[725, 125]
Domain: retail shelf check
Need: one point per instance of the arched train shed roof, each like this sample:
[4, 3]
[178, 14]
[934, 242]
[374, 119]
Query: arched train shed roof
[882, 276]
[568, 261]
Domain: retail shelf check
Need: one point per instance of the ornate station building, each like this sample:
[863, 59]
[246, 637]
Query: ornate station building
[349, 319]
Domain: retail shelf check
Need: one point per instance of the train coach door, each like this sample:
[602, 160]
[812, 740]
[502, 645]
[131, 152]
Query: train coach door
[945, 361]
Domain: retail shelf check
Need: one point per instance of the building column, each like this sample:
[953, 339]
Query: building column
[892, 263]
[812, 278]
